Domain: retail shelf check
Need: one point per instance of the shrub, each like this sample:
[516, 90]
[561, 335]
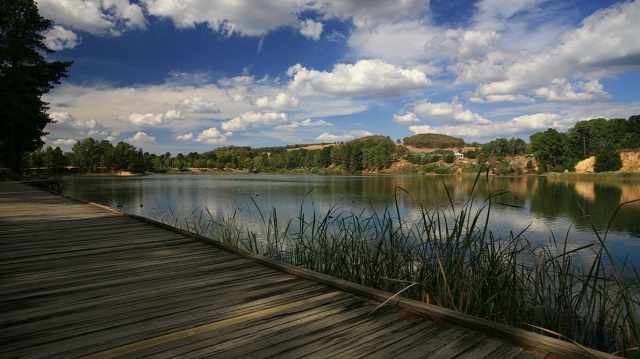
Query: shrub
[607, 159]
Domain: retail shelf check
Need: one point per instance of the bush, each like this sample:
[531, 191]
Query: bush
[450, 158]
[443, 171]
[607, 159]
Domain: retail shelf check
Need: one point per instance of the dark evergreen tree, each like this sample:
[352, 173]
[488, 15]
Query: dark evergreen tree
[607, 159]
[25, 75]
[548, 147]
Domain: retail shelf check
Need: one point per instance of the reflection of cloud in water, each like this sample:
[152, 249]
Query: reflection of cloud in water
[548, 207]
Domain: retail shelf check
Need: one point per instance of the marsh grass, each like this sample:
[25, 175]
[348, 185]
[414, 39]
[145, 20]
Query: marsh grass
[448, 257]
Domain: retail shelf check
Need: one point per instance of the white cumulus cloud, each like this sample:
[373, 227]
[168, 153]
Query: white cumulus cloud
[212, 136]
[311, 29]
[294, 125]
[97, 17]
[254, 119]
[327, 137]
[398, 43]
[368, 14]
[365, 77]
[64, 142]
[448, 113]
[282, 100]
[58, 38]
[406, 118]
[228, 16]
[198, 104]
[150, 119]
[607, 43]
[461, 43]
[561, 90]
[141, 137]
[67, 121]
[185, 137]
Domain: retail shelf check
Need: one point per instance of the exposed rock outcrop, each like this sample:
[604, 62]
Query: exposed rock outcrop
[586, 165]
[630, 163]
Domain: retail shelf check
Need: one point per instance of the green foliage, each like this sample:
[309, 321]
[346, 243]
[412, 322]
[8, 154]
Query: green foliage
[505, 168]
[548, 147]
[86, 155]
[449, 158]
[370, 153]
[442, 170]
[471, 154]
[25, 75]
[90, 155]
[433, 140]
[557, 151]
[437, 169]
[51, 158]
[588, 137]
[607, 159]
[377, 152]
[501, 147]
[323, 157]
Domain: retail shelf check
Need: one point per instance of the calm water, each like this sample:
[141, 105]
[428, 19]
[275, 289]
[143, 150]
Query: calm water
[550, 207]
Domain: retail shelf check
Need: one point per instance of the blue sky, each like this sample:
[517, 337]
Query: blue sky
[193, 75]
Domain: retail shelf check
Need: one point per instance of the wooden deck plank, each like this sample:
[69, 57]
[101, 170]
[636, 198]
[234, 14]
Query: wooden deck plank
[224, 338]
[335, 342]
[153, 322]
[82, 280]
[483, 349]
[268, 336]
[112, 305]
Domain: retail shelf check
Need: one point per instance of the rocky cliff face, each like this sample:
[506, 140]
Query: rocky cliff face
[630, 163]
[586, 165]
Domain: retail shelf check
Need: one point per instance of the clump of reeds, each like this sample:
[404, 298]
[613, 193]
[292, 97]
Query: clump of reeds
[448, 257]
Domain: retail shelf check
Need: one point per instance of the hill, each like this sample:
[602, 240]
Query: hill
[433, 140]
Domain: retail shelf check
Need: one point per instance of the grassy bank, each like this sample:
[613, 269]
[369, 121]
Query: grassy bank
[449, 258]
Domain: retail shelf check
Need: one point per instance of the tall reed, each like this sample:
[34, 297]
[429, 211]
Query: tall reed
[450, 258]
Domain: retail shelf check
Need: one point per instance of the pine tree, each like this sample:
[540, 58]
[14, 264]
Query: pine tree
[607, 159]
[25, 75]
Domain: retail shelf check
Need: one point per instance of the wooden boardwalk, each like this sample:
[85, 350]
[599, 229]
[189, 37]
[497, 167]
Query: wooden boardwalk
[79, 280]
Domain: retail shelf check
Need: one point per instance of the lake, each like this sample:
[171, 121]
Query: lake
[548, 206]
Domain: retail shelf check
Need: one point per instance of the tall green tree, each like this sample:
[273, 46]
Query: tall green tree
[631, 138]
[607, 159]
[54, 159]
[25, 75]
[548, 147]
[86, 154]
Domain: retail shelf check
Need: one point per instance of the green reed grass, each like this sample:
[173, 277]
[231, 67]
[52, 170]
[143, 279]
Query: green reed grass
[448, 257]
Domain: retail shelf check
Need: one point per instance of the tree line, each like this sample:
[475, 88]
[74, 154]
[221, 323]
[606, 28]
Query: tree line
[559, 151]
[89, 155]
[553, 151]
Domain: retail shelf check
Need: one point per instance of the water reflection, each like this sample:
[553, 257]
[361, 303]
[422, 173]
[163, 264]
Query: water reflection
[549, 207]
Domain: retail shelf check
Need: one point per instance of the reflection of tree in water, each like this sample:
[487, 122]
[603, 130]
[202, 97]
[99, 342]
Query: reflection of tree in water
[587, 204]
[552, 200]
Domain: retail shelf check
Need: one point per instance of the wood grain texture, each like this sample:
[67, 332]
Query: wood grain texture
[82, 280]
